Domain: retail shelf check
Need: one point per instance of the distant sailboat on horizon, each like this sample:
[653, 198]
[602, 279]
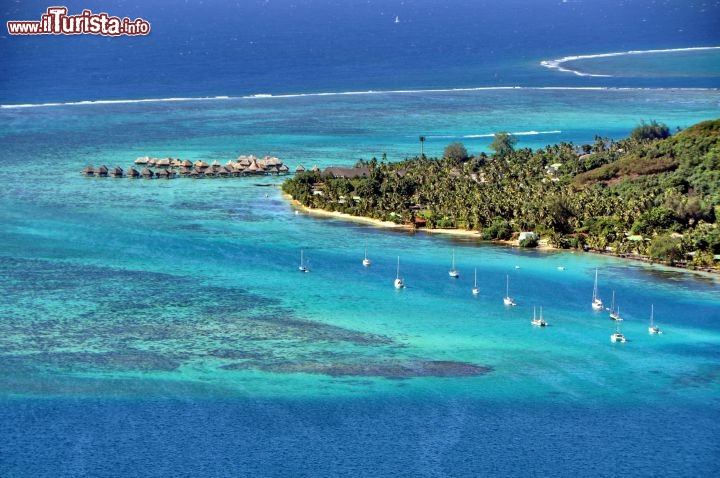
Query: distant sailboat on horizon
[397, 19]
[475, 289]
[366, 262]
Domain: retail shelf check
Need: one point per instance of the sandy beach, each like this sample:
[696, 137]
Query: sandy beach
[543, 244]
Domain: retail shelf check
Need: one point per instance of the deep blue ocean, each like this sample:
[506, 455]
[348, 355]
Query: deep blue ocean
[160, 328]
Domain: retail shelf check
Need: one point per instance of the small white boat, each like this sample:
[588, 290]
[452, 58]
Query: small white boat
[507, 300]
[453, 272]
[538, 322]
[561, 268]
[614, 313]
[653, 329]
[596, 302]
[302, 267]
[397, 19]
[398, 283]
[366, 261]
[617, 336]
[475, 289]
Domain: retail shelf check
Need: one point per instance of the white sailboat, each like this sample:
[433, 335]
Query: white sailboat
[475, 289]
[398, 283]
[617, 336]
[616, 315]
[613, 313]
[366, 262]
[507, 300]
[653, 329]
[302, 267]
[453, 272]
[538, 322]
[397, 19]
[596, 302]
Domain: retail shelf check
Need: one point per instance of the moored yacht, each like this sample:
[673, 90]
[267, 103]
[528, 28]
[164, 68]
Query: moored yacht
[539, 321]
[597, 303]
[653, 329]
[398, 283]
[507, 300]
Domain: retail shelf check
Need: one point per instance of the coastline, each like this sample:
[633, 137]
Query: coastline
[543, 244]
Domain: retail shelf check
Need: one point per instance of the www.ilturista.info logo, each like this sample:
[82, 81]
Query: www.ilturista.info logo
[57, 22]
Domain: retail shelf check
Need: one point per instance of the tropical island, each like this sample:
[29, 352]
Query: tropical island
[653, 195]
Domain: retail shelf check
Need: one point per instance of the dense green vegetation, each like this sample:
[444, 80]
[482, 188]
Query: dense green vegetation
[649, 194]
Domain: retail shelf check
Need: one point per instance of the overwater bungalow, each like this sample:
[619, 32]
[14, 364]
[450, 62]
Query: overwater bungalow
[283, 169]
[102, 171]
[133, 173]
[116, 172]
[142, 160]
[196, 173]
[200, 164]
[147, 173]
[162, 173]
[165, 162]
[223, 172]
[88, 171]
[209, 172]
[184, 171]
[186, 163]
[300, 169]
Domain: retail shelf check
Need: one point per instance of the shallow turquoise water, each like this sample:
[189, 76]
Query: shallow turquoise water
[161, 327]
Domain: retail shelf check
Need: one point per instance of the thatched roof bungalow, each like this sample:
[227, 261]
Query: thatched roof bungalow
[116, 172]
[133, 173]
[102, 171]
[200, 164]
[300, 169]
[142, 160]
[283, 169]
[88, 171]
[165, 162]
[147, 173]
[162, 173]
[186, 163]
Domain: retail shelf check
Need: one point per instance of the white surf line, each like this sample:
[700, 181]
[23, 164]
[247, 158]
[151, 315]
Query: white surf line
[266, 96]
[557, 63]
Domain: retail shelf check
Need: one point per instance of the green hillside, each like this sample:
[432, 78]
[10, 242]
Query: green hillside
[657, 197]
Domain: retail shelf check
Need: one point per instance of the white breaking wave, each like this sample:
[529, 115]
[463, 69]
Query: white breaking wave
[268, 96]
[491, 135]
[558, 63]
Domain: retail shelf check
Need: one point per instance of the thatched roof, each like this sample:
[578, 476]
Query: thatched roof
[148, 173]
[102, 170]
[196, 173]
[253, 168]
[299, 169]
[215, 163]
[163, 162]
[142, 160]
[162, 173]
[186, 163]
[184, 171]
[200, 164]
[132, 172]
[88, 171]
[116, 172]
[315, 169]
[283, 169]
